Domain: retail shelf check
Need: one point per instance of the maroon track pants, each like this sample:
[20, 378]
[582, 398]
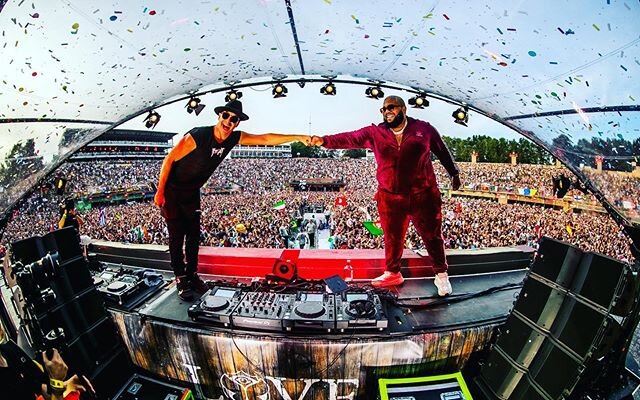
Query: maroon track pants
[423, 209]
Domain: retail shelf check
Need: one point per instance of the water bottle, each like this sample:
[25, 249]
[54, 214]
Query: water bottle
[348, 272]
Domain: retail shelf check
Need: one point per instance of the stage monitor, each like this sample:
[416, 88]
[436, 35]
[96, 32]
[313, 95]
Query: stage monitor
[437, 387]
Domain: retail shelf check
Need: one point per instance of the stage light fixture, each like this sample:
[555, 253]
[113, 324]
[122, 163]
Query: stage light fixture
[279, 90]
[194, 105]
[374, 92]
[419, 101]
[461, 115]
[329, 89]
[232, 95]
[152, 119]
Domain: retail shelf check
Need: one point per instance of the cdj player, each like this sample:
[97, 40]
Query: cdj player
[360, 311]
[216, 305]
[311, 311]
[117, 287]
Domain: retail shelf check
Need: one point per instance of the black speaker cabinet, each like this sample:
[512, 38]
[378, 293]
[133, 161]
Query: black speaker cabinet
[65, 242]
[502, 378]
[75, 316]
[28, 250]
[598, 279]
[93, 347]
[539, 302]
[556, 261]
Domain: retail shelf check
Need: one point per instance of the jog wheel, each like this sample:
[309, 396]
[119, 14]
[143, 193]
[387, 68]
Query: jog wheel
[310, 310]
[213, 303]
[116, 286]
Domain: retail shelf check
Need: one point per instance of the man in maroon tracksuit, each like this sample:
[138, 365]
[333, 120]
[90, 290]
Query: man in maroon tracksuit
[407, 187]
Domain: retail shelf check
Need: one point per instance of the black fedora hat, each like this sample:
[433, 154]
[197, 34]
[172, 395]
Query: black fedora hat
[234, 106]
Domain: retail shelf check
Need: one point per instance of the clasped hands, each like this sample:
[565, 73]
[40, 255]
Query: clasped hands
[312, 141]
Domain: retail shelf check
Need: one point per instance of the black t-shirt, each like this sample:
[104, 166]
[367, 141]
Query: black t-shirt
[192, 171]
[71, 220]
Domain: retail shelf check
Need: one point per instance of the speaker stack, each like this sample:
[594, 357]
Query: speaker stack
[60, 297]
[563, 320]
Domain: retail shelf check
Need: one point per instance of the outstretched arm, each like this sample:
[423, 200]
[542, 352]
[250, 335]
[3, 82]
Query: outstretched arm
[360, 139]
[185, 146]
[271, 139]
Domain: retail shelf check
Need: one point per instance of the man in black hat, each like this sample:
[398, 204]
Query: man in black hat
[185, 170]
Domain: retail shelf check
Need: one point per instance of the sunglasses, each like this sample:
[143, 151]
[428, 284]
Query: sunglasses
[390, 107]
[233, 118]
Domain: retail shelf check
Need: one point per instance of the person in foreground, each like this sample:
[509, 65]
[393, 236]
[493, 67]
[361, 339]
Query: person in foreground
[407, 186]
[22, 377]
[185, 170]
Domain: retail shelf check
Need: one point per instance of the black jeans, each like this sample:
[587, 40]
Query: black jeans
[182, 213]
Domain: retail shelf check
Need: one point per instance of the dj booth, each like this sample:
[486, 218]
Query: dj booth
[250, 339]
[288, 343]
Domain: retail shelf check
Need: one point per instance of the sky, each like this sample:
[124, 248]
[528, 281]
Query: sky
[305, 111]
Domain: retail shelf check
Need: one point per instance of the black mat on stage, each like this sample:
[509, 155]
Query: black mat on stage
[481, 310]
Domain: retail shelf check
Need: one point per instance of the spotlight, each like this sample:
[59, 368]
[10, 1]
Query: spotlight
[374, 92]
[419, 101]
[194, 105]
[152, 119]
[232, 95]
[279, 90]
[461, 115]
[329, 89]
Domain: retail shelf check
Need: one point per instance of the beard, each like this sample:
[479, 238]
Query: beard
[396, 122]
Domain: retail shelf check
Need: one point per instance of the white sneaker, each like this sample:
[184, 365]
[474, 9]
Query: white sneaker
[442, 283]
[388, 279]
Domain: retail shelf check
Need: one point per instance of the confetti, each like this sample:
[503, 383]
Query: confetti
[511, 29]
[446, 17]
[35, 15]
[75, 25]
[632, 98]
[187, 49]
[353, 17]
[328, 1]
[113, 17]
[561, 31]
[554, 94]
[152, 12]
[596, 27]
[34, 73]
[500, 31]
[532, 53]
[430, 15]
[553, 62]
[623, 67]
[366, 36]
[387, 25]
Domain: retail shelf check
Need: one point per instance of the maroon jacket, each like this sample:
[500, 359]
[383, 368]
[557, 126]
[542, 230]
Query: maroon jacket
[401, 169]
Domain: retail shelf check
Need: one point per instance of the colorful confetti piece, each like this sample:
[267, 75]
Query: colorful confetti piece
[152, 12]
[500, 31]
[623, 67]
[446, 17]
[532, 53]
[113, 17]
[75, 25]
[596, 27]
[34, 73]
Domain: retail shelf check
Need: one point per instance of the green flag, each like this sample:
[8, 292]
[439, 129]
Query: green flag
[279, 205]
[81, 205]
[373, 227]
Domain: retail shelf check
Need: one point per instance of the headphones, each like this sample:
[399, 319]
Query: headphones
[361, 308]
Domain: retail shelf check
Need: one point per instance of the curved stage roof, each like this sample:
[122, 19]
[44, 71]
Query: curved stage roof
[562, 74]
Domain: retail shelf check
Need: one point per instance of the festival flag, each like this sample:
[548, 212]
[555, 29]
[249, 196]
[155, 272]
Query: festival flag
[103, 217]
[373, 227]
[570, 229]
[145, 233]
[533, 192]
[81, 205]
[279, 205]
[341, 201]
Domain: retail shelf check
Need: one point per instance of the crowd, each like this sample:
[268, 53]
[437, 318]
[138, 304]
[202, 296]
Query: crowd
[249, 219]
